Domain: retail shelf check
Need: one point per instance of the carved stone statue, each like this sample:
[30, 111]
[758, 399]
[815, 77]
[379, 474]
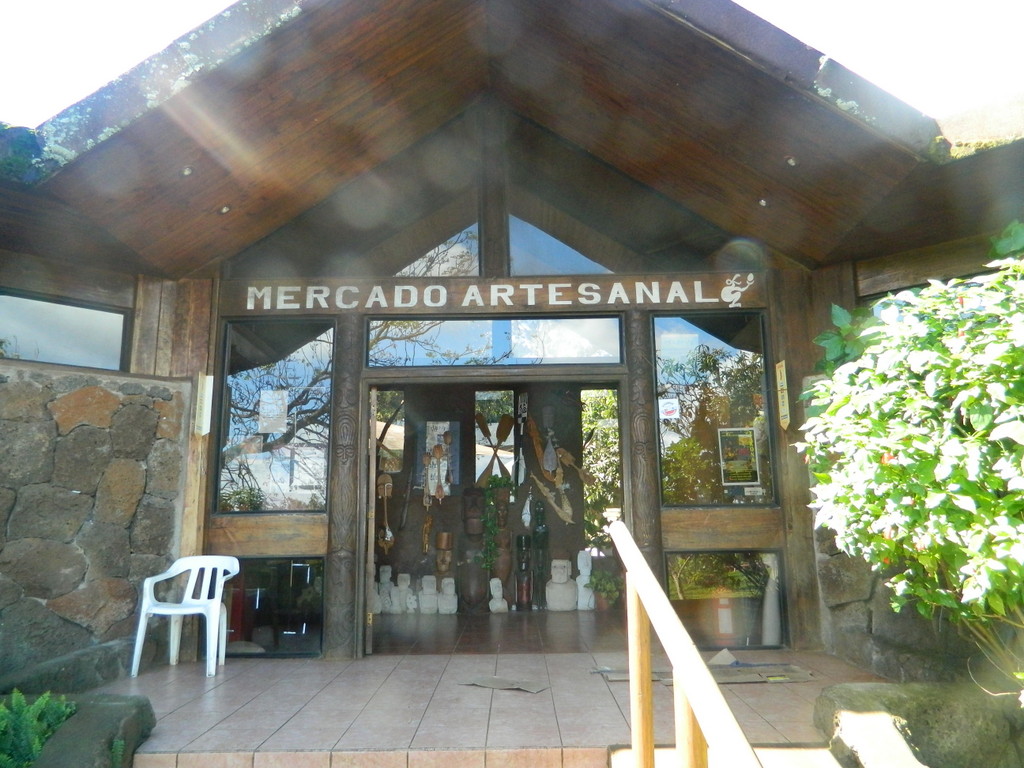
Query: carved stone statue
[428, 594]
[584, 594]
[498, 604]
[560, 591]
[384, 589]
[447, 601]
[404, 593]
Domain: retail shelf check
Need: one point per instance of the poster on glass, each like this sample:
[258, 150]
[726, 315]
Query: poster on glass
[737, 453]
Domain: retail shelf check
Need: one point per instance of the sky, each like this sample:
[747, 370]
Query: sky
[944, 57]
[941, 56]
[54, 53]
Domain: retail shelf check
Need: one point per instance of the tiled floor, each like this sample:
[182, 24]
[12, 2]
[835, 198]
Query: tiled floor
[411, 707]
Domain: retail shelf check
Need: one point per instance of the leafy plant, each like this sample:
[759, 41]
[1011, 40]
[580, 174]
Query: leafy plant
[917, 447]
[606, 584]
[849, 338]
[489, 546]
[600, 421]
[117, 752]
[245, 499]
[24, 727]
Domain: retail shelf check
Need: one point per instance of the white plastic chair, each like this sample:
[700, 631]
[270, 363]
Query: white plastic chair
[202, 595]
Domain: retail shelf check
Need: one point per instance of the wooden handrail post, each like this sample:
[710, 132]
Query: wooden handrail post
[691, 748]
[703, 719]
[641, 700]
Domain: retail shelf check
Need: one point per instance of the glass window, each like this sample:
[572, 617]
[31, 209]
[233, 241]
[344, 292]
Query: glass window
[602, 460]
[390, 430]
[458, 256]
[711, 410]
[494, 341]
[49, 332]
[277, 417]
[495, 434]
[275, 606]
[726, 599]
[535, 252]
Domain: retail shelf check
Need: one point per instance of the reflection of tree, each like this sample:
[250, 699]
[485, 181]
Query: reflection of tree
[397, 342]
[703, 574]
[601, 458]
[715, 388]
[456, 257]
[688, 472]
[269, 468]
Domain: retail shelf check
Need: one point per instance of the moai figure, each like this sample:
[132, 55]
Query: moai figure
[560, 590]
[584, 594]
[428, 594]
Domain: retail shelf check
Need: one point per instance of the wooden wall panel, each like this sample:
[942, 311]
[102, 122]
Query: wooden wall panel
[286, 534]
[91, 286]
[191, 325]
[794, 324]
[939, 262]
[717, 528]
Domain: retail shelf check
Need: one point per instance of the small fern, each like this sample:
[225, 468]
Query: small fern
[117, 753]
[24, 727]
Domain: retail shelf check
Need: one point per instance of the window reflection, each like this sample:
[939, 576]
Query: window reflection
[390, 430]
[727, 599]
[49, 332]
[534, 252]
[278, 393]
[490, 341]
[275, 607]
[711, 403]
[494, 439]
[458, 256]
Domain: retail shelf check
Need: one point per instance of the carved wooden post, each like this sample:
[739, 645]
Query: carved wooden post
[340, 621]
[642, 440]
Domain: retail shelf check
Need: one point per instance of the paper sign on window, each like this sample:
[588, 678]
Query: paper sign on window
[273, 411]
[737, 451]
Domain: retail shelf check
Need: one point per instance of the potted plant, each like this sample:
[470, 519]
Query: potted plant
[607, 587]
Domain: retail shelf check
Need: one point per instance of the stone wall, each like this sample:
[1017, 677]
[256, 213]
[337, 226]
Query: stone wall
[91, 488]
[859, 625]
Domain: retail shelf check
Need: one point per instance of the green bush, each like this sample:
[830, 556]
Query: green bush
[916, 444]
[24, 727]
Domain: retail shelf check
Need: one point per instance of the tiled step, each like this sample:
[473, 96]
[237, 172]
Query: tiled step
[770, 757]
[588, 757]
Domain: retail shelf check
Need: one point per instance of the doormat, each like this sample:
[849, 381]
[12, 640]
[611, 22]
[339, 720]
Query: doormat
[725, 668]
[760, 673]
[507, 684]
[622, 675]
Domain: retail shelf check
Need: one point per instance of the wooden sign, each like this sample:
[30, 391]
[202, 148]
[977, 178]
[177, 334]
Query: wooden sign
[782, 390]
[457, 296]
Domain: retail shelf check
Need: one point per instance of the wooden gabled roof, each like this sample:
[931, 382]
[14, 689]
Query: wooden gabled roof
[694, 120]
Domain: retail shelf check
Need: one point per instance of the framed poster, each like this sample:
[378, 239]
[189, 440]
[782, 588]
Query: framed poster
[737, 453]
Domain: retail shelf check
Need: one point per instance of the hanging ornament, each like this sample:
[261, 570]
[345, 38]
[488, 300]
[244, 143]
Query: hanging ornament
[437, 471]
[426, 479]
[562, 508]
[550, 459]
[521, 418]
[527, 515]
[385, 537]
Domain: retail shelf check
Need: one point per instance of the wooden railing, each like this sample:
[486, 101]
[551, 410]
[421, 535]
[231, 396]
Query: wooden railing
[703, 721]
